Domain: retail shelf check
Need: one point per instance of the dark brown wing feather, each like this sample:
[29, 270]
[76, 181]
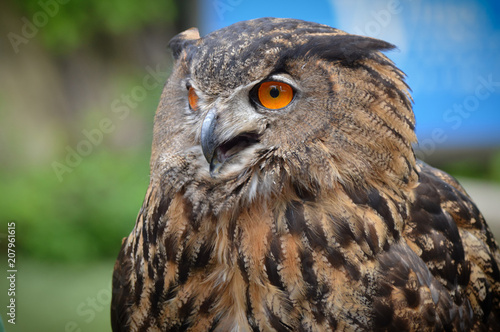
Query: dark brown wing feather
[450, 235]
[121, 291]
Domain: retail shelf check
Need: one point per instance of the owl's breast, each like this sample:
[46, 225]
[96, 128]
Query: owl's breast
[263, 269]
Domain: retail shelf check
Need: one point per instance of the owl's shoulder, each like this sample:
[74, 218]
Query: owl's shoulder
[449, 234]
[439, 203]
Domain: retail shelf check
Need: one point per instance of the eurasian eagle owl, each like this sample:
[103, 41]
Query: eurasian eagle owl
[285, 196]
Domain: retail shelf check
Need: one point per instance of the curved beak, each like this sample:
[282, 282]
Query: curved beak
[208, 138]
[219, 149]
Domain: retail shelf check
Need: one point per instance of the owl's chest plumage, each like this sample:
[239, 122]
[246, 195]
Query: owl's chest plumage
[345, 261]
[276, 265]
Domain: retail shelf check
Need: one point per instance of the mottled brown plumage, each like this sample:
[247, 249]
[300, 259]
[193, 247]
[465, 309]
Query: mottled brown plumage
[311, 217]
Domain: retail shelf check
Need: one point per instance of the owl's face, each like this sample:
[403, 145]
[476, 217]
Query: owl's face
[267, 103]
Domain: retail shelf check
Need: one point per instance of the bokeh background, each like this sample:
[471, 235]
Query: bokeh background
[79, 85]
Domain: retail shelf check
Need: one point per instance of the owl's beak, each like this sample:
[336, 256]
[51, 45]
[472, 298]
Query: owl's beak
[218, 151]
[208, 137]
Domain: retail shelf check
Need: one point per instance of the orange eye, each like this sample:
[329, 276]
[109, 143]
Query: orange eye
[193, 99]
[274, 95]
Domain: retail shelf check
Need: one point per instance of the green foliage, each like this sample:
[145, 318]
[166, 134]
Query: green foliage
[85, 216]
[495, 167]
[468, 168]
[76, 22]
[60, 297]
[476, 169]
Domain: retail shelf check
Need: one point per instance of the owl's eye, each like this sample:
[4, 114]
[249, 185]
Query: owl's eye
[275, 95]
[193, 99]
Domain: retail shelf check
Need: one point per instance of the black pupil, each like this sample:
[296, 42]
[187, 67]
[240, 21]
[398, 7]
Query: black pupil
[274, 92]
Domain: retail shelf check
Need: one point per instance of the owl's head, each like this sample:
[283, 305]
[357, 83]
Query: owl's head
[268, 104]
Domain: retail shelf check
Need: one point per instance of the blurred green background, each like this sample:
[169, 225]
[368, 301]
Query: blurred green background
[79, 85]
[78, 78]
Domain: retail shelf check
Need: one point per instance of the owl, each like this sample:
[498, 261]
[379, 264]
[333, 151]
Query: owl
[285, 195]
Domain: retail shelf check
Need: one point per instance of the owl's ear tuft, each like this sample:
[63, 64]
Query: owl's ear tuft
[183, 40]
[346, 48]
